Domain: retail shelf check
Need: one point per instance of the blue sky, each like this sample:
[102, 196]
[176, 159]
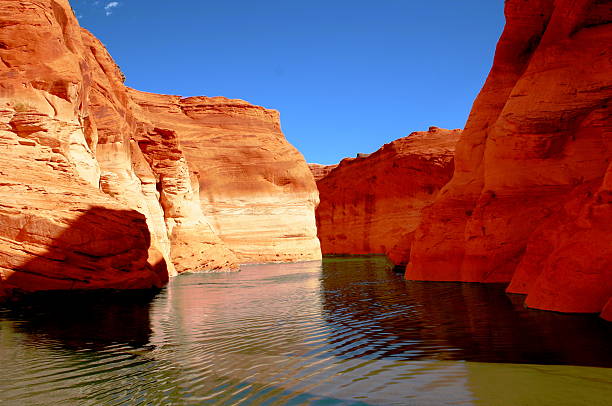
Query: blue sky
[347, 76]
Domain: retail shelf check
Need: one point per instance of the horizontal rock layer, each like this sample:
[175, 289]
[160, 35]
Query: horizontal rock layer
[58, 230]
[372, 204]
[529, 202]
[320, 171]
[255, 188]
[95, 194]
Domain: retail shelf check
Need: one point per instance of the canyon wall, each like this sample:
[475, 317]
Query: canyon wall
[320, 171]
[254, 187]
[58, 230]
[372, 204]
[95, 194]
[530, 199]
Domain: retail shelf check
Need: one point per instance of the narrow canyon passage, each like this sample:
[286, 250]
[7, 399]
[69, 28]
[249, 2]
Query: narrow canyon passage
[343, 331]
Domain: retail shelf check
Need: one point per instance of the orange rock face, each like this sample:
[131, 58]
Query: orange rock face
[254, 187]
[58, 230]
[372, 204]
[529, 201]
[95, 193]
[320, 171]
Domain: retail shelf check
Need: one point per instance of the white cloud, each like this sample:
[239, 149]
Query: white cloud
[110, 6]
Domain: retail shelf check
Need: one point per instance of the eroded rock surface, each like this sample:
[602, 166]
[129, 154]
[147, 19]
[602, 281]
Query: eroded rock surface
[372, 204]
[58, 230]
[529, 202]
[96, 193]
[320, 171]
[254, 187]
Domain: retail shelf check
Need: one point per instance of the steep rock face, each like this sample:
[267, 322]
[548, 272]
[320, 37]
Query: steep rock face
[528, 193]
[144, 168]
[373, 204]
[254, 187]
[57, 229]
[113, 127]
[320, 171]
[194, 245]
[92, 194]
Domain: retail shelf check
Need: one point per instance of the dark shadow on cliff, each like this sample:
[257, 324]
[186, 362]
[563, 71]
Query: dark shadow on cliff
[92, 287]
[451, 321]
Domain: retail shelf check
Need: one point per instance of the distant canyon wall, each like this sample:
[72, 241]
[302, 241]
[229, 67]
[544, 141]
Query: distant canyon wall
[254, 187]
[530, 201]
[372, 204]
[320, 171]
[98, 191]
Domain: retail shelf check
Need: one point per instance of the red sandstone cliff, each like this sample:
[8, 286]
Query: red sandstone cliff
[373, 204]
[95, 194]
[57, 229]
[254, 187]
[530, 199]
[320, 171]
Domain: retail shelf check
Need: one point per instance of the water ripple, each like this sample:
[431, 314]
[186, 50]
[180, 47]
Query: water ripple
[348, 332]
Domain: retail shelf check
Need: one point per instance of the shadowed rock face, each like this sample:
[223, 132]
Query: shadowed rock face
[81, 159]
[254, 187]
[372, 204]
[529, 201]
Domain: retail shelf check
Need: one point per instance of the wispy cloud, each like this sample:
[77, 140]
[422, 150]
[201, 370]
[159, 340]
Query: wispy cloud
[110, 6]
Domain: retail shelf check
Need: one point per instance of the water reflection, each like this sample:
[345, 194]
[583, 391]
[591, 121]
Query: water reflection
[454, 321]
[83, 321]
[345, 331]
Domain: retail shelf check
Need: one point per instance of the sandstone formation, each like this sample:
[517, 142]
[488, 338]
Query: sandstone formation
[320, 171]
[254, 187]
[57, 229]
[372, 204]
[144, 168]
[530, 199]
[95, 193]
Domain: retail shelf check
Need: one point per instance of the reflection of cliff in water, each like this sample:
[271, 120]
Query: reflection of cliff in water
[87, 320]
[474, 322]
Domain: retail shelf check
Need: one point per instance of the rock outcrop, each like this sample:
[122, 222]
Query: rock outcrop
[254, 187]
[58, 230]
[95, 193]
[320, 171]
[372, 204]
[530, 199]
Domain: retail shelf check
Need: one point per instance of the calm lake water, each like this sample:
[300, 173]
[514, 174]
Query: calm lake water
[347, 331]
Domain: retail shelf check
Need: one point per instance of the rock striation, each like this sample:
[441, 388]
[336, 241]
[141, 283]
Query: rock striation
[95, 193]
[58, 230]
[320, 171]
[530, 199]
[372, 204]
[254, 187]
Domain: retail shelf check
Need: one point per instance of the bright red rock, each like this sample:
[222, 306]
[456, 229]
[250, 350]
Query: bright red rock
[528, 202]
[320, 171]
[372, 204]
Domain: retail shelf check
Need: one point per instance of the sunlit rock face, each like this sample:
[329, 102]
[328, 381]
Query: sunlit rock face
[232, 185]
[194, 244]
[320, 171]
[372, 204]
[530, 199]
[58, 230]
[254, 188]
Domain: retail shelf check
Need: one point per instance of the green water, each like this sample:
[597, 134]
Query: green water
[347, 331]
